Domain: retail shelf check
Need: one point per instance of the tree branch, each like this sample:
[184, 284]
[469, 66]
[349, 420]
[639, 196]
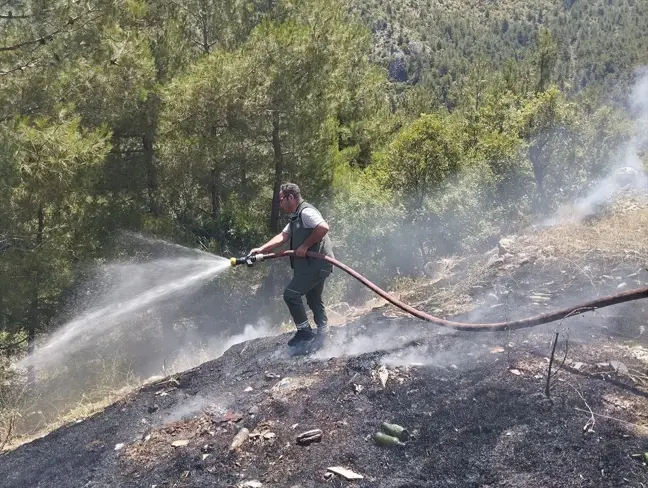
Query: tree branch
[12, 420]
[185, 9]
[47, 37]
[12, 16]
[126, 151]
[12, 345]
[20, 67]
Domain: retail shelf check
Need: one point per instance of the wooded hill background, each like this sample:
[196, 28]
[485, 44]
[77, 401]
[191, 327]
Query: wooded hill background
[420, 128]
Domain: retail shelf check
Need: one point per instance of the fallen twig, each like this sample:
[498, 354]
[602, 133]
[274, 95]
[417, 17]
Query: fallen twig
[590, 423]
[612, 418]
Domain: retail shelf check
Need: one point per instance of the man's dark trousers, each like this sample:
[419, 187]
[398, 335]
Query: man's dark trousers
[312, 286]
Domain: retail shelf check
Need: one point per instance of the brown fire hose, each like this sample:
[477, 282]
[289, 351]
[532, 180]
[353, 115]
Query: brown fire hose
[544, 318]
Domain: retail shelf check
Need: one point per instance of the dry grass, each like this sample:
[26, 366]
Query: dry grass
[622, 234]
[618, 238]
[447, 292]
[83, 409]
[29, 413]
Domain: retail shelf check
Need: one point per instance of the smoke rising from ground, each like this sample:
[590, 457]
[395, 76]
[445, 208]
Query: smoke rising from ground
[627, 173]
[193, 406]
[216, 346]
[348, 344]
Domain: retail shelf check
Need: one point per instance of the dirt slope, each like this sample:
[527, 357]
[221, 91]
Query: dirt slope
[474, 403]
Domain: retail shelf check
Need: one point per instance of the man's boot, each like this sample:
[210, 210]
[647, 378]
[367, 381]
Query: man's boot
[322, 335]
[303, 334]
[323, 331]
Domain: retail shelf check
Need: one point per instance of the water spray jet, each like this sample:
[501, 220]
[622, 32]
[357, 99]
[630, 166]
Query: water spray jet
[175, 278]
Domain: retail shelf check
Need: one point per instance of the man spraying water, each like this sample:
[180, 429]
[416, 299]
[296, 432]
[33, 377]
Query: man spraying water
[306, 231]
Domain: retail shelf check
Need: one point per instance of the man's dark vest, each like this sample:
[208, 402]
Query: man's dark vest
[299, 234]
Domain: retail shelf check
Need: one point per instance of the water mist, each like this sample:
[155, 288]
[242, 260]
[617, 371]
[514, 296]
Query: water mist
[135, 288]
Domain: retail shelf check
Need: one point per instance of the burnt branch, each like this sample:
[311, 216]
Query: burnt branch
[553, 349]
[551, 358]
[564, 357]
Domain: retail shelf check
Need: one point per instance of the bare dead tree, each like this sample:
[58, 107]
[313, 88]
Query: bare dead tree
[551, 358]
[10, 425]
[553, 352]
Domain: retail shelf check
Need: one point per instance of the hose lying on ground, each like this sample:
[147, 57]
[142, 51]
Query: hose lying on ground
[601, 302]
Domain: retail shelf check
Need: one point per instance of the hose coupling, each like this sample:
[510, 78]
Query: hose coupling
[249, 260]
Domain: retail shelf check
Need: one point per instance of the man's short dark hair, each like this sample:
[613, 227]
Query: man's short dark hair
[291, 189]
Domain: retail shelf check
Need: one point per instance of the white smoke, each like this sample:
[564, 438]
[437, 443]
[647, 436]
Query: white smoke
[216, 346]
[193, 407]
[629, 173]
[346, 343]
[425, 355]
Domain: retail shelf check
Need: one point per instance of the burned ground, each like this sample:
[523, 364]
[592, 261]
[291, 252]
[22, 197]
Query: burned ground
[475, 403]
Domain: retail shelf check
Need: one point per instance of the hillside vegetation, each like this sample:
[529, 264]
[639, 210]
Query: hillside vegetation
[598, 43]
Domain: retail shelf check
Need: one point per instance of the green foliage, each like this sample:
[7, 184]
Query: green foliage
[365, 222]
[593, 43]
[420, 158]
[46, 194]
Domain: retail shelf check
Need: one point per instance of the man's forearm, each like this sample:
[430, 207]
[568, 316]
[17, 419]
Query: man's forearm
[273, 243]
[317, 235]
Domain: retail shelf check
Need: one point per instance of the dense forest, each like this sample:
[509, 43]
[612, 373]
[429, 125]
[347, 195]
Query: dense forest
[420, 128]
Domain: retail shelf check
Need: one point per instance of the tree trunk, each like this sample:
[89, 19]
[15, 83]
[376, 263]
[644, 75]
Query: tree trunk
[278, 174]
[215, 191]
[153, 185]
[538, 173]
[34, 304]
[243, 174]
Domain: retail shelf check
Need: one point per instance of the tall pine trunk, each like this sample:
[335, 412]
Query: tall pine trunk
[152, 174]
[278, 173]
[34, 303]
[538, 166]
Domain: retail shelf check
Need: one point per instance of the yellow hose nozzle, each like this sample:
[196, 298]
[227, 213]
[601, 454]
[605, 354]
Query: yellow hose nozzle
[248, 260]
